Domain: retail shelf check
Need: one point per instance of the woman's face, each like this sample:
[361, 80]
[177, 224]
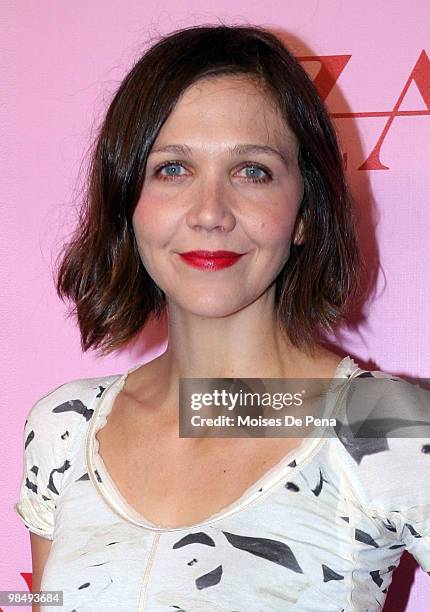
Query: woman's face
[206, 189]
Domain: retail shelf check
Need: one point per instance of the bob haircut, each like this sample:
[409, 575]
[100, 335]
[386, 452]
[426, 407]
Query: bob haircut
[100, 269]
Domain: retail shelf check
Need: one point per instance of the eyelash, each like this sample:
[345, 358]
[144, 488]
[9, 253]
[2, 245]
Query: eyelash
[245, 165]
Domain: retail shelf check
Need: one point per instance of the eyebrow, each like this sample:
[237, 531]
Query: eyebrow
[238, 149]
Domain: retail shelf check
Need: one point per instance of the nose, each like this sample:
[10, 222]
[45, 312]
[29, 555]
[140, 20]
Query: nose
[212, 208]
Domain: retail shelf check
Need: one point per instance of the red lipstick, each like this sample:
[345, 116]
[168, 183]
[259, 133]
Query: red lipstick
[210, 260]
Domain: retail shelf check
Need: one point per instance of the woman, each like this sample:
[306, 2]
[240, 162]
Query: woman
[215, 142]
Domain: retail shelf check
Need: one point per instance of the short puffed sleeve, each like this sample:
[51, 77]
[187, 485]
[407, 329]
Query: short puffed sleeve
[393, 465]
[48, 432]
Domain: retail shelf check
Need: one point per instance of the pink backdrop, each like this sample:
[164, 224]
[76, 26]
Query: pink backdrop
[62, 62]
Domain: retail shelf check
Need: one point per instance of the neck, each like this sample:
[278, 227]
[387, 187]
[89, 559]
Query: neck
[246, 344]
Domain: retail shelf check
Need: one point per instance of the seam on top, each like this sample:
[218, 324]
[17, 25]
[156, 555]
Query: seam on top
[352, 540]
[67, 456]
[71, 449]
[145, 581]
[313, 451]
[96, 409]
[73, 443]
[121, 506]
[95, 416]
[124, 509]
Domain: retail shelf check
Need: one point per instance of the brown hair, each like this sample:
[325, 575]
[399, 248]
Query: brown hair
[100, 269]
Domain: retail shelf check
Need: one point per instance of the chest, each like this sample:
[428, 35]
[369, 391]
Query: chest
[174, 481]
[292, 546]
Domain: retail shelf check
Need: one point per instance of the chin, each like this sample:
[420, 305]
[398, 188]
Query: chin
[216, 307]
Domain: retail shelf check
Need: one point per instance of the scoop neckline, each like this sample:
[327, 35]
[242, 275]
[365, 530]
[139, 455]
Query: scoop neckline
[109, 492]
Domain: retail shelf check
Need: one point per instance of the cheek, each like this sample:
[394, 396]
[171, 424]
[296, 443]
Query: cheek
[274, 229]
[274, 221]
[151, 222]
[143, 217]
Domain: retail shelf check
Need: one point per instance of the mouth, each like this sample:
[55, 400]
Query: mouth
[210, 260]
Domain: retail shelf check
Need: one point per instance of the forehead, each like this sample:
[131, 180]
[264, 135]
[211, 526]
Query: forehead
[228, 106]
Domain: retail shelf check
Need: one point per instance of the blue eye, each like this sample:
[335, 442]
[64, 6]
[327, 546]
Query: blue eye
[172, 170]
[253, 174]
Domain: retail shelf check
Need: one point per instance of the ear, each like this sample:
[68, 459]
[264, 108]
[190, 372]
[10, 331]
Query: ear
[299, 237]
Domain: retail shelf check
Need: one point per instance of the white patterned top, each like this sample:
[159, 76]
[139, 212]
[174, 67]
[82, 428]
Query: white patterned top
[322, 531]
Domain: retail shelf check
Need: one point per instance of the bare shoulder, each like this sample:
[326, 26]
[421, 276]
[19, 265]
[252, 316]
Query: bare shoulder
[146, 380]
[322, 365]
[139, 402]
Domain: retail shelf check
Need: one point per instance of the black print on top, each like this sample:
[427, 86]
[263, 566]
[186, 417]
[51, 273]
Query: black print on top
[330, 574]
[100, 393]
[195, 538]
[389, 525]
[318, 488]
[72, 405]
[60, 470]
[268, 550]
[31, 485]
[28, 483]
[376, 577]
[366, 446]
[30, 437]
[86, 476]
[365, 538]
[280, 553]
[210, 579]
[370, 436]
[75, 406]
[272, 550]
[413, 531]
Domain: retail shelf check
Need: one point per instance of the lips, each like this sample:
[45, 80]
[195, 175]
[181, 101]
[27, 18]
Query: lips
[210, 260]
